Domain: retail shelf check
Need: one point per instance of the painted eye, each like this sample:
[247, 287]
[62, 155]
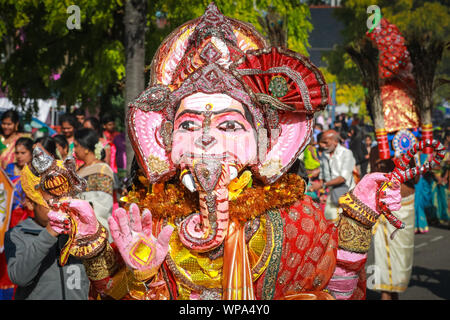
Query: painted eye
[189, 125]
[230, 125]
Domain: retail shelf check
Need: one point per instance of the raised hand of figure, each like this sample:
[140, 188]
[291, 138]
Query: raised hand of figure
[133, 236]
[80, 211]
[366, 191]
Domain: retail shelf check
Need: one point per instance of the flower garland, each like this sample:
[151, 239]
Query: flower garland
[176, 201]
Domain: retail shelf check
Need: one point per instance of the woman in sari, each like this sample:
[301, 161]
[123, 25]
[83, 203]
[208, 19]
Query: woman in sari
[9, 135]
[110, 153]
[23, 150]
[69, 124]
[108, 146]
[62, 146]
[423, 201]
[98, 174]
[442, 189]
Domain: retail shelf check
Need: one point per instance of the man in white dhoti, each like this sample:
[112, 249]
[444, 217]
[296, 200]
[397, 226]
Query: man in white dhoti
[393, 258]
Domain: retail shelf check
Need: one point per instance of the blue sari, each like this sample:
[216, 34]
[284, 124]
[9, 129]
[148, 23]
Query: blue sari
[19, 195]
[6, 286]
[423, 201]
[442, 192]
[441, 199]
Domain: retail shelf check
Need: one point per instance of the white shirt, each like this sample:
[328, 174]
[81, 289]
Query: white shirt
[341, 164]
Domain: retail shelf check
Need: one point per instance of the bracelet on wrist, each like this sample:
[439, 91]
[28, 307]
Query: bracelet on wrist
[103, 265]
[90, 246]
[357, 210]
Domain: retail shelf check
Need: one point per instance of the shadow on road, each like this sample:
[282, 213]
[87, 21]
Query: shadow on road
[443, 226]
[437, 281]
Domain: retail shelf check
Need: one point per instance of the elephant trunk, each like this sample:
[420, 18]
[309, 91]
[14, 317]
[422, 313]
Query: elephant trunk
[207, 229]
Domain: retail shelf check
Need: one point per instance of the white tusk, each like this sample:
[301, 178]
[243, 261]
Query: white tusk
[233, 172]
[189, 182]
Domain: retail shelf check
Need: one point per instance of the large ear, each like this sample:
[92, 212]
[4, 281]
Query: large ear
[150, 133]
[286, 143]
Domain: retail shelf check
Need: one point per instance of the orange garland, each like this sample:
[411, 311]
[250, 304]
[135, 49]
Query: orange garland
[176, 201]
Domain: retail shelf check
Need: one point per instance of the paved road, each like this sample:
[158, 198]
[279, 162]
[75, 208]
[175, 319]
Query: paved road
[430, 279]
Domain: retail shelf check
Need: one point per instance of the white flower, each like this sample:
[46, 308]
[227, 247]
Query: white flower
[98, 150]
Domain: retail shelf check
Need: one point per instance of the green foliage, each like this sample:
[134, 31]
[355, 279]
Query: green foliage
[297, 16]
[442, 92]
[420, 17]
[426, 17]
[410, 16]
[35, 44]
[353, 14]
[351, 95]
[341, 65]
[118, 111]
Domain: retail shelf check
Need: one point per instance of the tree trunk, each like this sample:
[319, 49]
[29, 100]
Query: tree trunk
[425, 110]
[365, 56]
[275, 27]
[135, 25]
[425, 52]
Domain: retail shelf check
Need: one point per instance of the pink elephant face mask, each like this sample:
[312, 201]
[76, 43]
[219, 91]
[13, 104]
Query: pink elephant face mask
[213, 138]
[213, 127]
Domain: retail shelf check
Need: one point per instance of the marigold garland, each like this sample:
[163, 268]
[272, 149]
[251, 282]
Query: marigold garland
[176, 201]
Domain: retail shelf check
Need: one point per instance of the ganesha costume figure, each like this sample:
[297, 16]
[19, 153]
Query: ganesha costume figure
[221, 122]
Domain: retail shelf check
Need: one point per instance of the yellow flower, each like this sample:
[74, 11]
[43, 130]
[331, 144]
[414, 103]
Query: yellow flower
[236, 186]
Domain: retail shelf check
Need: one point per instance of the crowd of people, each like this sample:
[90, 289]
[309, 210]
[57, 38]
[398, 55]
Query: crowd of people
[337, 157]
[99, 152]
